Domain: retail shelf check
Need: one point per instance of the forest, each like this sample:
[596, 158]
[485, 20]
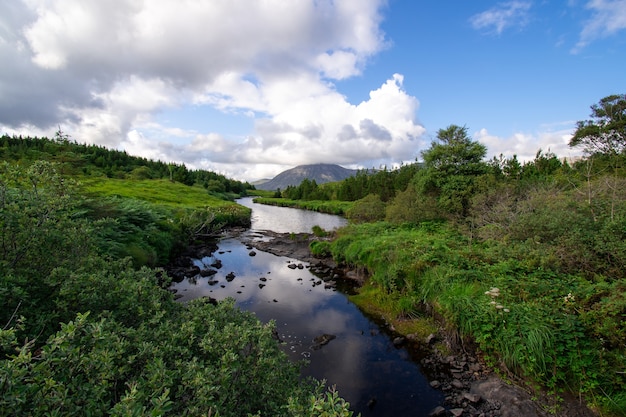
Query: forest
[87, 325]
[523, 261]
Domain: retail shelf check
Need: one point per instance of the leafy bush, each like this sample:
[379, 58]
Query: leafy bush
[197, 360]
[368, 209]
[102, 336]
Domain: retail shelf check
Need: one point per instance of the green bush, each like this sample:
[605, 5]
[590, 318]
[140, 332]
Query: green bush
[197, 360]
[368, 209]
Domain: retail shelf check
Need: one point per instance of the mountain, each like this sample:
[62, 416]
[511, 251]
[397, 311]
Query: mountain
[321, 173]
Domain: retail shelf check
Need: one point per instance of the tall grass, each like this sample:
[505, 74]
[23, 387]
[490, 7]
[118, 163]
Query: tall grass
[540, 323]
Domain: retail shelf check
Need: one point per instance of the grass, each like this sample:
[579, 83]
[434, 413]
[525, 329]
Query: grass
[543, 324]
[161, 192]
[376, 302]
[177, 198]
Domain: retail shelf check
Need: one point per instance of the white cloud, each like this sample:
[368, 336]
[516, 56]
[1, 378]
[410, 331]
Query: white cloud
[502, 16]
[320, 126]
[111, 68]
[608, 18]
[526, 145]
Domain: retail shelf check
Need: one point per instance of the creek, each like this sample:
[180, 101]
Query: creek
[357, 355]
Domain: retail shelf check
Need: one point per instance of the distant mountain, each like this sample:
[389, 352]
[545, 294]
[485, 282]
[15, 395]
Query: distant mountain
[321, 173]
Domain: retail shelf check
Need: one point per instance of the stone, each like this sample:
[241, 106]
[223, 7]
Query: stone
[474, 398]
[322, 340]
[457, 384]
[398, 341]
[457, 412]
[207, 272]
[435, 384]
[518, 402]
[439, 411]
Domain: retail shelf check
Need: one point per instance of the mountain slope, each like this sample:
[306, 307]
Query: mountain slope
[321, 173]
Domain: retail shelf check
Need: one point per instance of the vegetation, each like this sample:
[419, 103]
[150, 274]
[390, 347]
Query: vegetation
[525, 260]
[88, 326]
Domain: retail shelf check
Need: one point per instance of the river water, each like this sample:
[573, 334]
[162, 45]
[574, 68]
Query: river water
[376, 377]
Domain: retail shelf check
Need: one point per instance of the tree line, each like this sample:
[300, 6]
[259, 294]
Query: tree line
[75, 158]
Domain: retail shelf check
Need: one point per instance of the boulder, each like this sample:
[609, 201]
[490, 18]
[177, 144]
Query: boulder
[518, 402]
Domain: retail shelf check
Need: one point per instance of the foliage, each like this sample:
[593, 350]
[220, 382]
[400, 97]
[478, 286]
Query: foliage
[368, 209]
[529, 262]
[318, 231]
[452, 165]
[307, 190]
[605, 133]
[197, 360]
[320, 248]
[543, 324]
[96, 161]
[384, 183]
[102, 336]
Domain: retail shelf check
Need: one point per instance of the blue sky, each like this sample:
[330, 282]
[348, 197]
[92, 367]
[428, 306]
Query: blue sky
[250, 88]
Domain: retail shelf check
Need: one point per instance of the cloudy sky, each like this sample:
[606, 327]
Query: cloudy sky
[250, 88]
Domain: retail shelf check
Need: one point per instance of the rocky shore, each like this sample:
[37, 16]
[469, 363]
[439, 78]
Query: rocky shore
[471, 388]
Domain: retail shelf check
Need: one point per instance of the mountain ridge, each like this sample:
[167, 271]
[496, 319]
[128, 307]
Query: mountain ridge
[321, 173]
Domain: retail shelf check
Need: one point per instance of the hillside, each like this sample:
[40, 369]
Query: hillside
[321, 173]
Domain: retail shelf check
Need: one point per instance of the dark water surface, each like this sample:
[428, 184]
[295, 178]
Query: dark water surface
[361, 361]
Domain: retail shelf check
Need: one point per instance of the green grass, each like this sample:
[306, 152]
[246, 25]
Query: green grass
[162, 192]
[177, 198]
[556, 329]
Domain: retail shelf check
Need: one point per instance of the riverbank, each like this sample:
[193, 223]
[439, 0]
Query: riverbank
[471, 386]
[455, 367]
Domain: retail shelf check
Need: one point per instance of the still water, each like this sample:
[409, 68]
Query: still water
[377, 378]
[288, 220]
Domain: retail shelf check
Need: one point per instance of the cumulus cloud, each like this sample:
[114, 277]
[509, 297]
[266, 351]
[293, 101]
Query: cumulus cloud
[608, 18]
[502, 16]
[105, 72]
[526, 145]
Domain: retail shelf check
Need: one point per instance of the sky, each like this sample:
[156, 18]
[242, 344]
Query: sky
[250, 88]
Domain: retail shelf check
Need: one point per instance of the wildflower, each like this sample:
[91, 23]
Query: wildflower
[569, 298]
[493, 292]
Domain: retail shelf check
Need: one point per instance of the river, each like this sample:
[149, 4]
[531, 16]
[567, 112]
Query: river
[375, 376]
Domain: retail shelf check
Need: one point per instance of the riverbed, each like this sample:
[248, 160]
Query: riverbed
[314, 318]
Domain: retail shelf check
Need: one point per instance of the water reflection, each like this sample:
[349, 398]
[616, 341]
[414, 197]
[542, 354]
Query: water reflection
[288, 220]
[361, 361]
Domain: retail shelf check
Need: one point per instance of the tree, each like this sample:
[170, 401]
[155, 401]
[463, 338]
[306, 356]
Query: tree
[452, 163]
[455, 153]
[605, 134]
[606, 131]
